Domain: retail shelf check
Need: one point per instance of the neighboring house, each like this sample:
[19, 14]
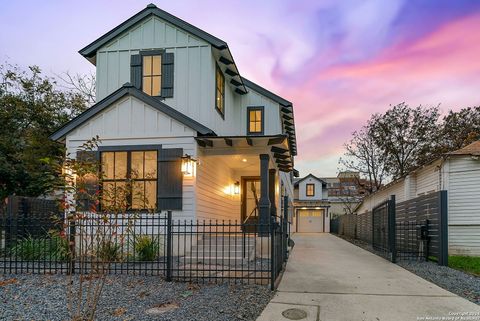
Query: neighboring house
[311, 205]
[172, 103]
[345, 191]
[458, 173]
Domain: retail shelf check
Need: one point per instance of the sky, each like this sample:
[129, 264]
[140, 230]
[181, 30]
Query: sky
[339, 62]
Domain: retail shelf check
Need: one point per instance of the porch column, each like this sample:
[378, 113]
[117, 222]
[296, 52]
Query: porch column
[271, 186]
[264, 202]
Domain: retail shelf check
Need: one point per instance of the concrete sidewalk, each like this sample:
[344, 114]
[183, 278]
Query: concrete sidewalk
[333, 280]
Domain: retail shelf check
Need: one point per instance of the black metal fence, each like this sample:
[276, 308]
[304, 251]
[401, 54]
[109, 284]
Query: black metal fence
[149, 244]
[412, 230]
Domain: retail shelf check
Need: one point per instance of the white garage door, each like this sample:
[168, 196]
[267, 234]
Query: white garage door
[310, 221]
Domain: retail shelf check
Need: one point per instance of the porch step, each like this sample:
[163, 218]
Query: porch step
[221, 250]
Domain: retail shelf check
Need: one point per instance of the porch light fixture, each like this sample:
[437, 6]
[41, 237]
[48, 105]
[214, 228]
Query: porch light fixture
[188, 164]
[236, 188]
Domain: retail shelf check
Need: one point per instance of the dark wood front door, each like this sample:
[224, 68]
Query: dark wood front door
[250, 197]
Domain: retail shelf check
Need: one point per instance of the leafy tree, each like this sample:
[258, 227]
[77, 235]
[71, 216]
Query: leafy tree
[406, 136]
[365, 156]
[31, 108]
[459, 129]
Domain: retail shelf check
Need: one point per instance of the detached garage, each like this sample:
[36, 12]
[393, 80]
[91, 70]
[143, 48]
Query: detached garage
[311, 205]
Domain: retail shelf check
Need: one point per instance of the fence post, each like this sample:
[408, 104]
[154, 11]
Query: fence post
[71, 239]
[392, 230]
[272, 254]
[169, 246]
[427, 241]
[285, 226]
[443, 228]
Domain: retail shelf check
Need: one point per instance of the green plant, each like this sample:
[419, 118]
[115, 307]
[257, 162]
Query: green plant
[52, 247]
[108, 251]
[469, 264]
[146, 248]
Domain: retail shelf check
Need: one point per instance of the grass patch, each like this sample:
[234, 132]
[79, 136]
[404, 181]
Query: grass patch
[469, 264]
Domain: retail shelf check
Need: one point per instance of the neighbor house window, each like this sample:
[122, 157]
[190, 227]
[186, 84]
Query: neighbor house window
[152, 74]
[310, 189]
[220, 91]
[129, 179]
[255, 120]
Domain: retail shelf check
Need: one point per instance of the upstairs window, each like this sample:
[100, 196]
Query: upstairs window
[129, 179]
[310, 189]
[220, 92]
[152, 74]
[255, 121]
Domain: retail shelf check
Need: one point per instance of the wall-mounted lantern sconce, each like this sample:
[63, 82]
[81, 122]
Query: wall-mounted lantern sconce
[188, 165]
[236, 188]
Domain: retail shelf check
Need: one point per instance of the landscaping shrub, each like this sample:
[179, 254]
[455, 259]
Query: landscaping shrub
[108, 251]
[52, 247]
[146, 248]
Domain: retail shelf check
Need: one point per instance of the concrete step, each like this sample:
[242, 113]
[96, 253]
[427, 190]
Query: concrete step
[215, 260]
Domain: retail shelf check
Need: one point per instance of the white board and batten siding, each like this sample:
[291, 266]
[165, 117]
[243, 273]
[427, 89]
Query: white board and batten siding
[319, 191]
[194, 77]
[131, 122]
[464, 205]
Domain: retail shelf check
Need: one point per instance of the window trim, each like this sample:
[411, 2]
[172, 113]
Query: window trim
[313, 189]
[155, 52]
[220, 112]
[129, 149]
[262, 109]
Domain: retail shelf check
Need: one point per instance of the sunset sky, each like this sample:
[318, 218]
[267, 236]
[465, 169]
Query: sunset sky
[337, 61]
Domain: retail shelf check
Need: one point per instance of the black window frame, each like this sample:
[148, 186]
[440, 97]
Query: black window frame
[313, 189]
[129, 150]
[255, 108]
[220, 111]
[147, 53]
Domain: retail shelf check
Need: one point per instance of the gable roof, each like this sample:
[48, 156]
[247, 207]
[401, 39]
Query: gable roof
[151, 10]
[472, 149]
[225, 55]
[312, 176]
[128, 90]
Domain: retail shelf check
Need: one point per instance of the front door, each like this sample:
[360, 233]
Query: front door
[250, 197]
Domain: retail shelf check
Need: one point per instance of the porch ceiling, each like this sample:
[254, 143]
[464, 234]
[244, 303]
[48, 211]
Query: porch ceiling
[276, 145]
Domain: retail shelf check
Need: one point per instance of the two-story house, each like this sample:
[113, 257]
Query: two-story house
[311, 205]
[171, 103]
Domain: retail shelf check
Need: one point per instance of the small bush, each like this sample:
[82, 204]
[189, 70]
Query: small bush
[146, 248]
[108, 251]
[49, 248]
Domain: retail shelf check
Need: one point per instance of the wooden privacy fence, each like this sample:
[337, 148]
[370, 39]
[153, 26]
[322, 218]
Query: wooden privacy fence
[420, 228]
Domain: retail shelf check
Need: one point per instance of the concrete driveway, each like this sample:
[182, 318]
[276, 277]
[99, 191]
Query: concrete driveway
[332, 280]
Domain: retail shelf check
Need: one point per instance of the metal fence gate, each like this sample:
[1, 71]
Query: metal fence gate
[383, 229]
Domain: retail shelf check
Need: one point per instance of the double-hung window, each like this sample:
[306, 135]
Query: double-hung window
[220, 91]
[152, 74]
[255, 121]
[129, 179]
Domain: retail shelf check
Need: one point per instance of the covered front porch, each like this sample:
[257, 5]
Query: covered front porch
[243, 178]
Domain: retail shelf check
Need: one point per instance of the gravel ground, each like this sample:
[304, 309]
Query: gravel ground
[42, 297]
[458, 282]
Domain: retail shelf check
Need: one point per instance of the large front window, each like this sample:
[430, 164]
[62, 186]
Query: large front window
[220, 91]
[152, 75]
[129, 179]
